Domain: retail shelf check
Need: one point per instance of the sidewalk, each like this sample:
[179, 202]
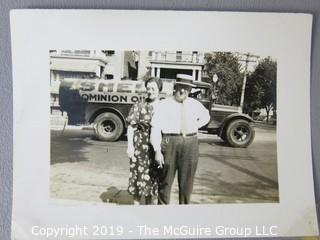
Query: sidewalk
[58, 122]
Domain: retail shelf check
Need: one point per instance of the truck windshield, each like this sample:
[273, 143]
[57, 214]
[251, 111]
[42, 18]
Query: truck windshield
[200, 93]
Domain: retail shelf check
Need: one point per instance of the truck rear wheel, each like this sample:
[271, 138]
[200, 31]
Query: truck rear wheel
[239, 133]
[108, 127]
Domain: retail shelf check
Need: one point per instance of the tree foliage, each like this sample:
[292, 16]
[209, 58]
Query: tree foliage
[227, 67]
[261, 87]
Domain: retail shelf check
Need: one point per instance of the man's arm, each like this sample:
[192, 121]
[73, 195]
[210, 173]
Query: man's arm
[130, 148]
[156, 137]
[203, 115]
[156, 127]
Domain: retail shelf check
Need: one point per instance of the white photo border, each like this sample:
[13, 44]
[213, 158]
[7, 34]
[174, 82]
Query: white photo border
[282, 35]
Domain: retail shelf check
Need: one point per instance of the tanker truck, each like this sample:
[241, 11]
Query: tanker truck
[105, 105]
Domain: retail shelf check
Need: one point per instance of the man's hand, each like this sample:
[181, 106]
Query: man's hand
[159, 159]
[130, 151]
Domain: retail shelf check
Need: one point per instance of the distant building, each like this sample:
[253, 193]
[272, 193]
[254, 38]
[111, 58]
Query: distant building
[86, 64]
[164, 64]
[167, 64]
[118, 65]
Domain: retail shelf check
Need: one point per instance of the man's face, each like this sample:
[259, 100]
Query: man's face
[181, 92]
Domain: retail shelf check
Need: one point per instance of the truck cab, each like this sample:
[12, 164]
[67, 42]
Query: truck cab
[228, 122]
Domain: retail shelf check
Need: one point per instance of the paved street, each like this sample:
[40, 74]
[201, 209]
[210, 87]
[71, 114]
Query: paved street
[83, 168]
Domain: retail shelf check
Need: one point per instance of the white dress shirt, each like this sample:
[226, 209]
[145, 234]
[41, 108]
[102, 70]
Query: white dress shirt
[172, 117]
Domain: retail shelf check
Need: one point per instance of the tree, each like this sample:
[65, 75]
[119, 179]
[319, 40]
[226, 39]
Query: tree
[227, 67]
[261, 87]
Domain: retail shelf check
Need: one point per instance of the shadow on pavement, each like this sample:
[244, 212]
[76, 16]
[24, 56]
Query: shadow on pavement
[226, 192]
[114, 195]
[260, 188]
[268, 181]
[67, 149]
[213, 142]
[120, 197]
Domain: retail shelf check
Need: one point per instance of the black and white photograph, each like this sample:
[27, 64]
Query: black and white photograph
[163, 127]
[161, 124]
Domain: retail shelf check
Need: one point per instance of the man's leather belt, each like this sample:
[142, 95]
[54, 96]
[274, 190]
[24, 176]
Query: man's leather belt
[180, 134]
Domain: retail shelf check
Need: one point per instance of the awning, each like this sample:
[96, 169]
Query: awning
[75, 65]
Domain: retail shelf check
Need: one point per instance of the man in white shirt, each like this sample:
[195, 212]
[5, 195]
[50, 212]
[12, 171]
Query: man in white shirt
[175, 125]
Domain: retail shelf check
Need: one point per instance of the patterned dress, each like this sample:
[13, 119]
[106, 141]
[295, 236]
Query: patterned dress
[143, 170]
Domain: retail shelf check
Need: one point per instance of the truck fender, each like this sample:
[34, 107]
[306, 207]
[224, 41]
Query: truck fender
[232, 117]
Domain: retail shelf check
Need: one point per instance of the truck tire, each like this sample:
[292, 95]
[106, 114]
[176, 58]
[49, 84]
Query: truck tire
[239, 133]
[108, 127]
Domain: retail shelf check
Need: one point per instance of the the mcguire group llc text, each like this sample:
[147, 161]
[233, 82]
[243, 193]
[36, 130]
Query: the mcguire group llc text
[146, 231]
[184, 230]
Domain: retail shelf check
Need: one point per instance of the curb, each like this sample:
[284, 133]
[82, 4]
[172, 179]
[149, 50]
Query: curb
[71, 127]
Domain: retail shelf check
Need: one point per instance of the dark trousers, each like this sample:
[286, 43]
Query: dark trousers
[180, 154]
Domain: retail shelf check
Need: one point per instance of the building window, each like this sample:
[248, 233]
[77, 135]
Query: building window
[131, 65]
[76, 52]
[108, 76]
[108, 52]
[195, 57]
[82, 52]
[179, 56]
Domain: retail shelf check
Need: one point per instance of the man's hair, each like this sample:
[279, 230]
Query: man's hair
[157, 80]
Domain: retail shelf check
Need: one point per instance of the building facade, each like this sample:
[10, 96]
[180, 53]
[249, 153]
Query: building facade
[119, 65]
[167, 64]
[81, 64]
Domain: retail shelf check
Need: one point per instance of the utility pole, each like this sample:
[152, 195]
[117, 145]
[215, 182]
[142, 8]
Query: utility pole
[248, 58]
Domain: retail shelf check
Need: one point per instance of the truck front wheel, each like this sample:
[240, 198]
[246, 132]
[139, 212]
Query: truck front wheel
[108, 127]
[239, 133]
